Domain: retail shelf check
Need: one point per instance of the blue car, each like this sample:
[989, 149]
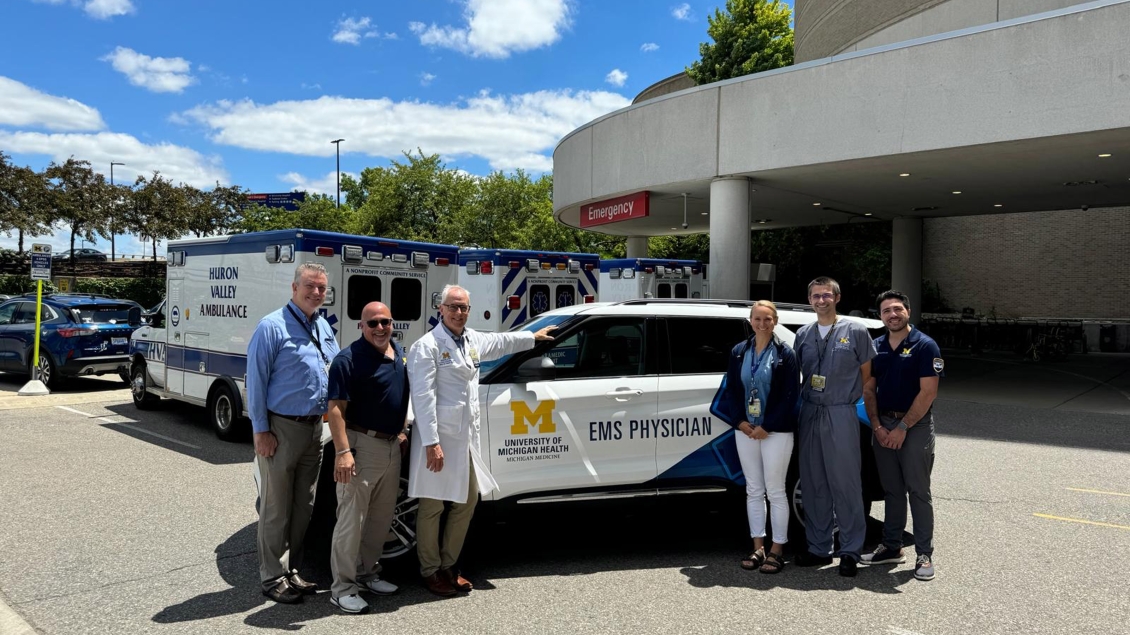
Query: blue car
[80, 335]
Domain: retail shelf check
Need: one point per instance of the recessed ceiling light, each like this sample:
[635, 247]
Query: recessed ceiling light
[817, 204]
[905, 174]
[867, 213]
[998, 205]
[674, 229]
[1104, 155]
[706, 213]
[957, 191]
[762, 221]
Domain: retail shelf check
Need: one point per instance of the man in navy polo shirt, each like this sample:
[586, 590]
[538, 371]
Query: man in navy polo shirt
[903, 385]
[368, 395]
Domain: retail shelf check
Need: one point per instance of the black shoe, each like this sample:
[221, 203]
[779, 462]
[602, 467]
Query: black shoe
[283, 593]
[809, 559]
[300, 585]
[848, 566]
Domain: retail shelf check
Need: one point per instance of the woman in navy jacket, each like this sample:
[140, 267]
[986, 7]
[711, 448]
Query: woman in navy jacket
[758, 397]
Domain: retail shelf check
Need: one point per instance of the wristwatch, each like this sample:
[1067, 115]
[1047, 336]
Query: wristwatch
[902, 424]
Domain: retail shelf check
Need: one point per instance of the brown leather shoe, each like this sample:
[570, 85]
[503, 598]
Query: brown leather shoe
[456, 580]
[437, 583]
[300, 585]
[283, 593]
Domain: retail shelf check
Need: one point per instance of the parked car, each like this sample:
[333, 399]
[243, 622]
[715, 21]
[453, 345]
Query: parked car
[617, 406]
[80, 335]
[84, 253]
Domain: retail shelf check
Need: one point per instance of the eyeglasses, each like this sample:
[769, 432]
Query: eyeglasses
[822, 296]
[382, 322]
[459, 308]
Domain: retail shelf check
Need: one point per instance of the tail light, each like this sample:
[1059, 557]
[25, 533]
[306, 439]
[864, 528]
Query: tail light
[486, 267]
[514, 264]
[76, 331]
[589, 299]
[649, 269]
[513, 302]
[443, 262]
[324, 251]
[589, 266]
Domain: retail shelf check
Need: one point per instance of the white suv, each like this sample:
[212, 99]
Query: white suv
[618, 406]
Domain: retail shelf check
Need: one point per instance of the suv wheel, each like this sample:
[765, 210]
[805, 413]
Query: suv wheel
[402, 534]
[142, 399]
[45, 371]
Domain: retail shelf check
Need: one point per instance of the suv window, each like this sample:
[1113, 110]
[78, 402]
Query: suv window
[102, 313]
[703, 345]
[7, 312]
[603, 347]
[27, 314]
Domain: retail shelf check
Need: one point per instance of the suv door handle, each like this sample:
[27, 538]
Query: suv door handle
[623, 394]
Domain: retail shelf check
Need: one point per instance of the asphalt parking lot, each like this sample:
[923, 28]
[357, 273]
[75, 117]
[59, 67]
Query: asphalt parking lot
[117, 521]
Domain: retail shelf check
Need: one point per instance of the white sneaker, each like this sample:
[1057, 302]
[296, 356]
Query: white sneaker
[351, 604]
[381, 587]
[924, 568]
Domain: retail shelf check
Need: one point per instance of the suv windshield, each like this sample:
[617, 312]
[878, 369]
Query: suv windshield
[102, 313]
[536, 324]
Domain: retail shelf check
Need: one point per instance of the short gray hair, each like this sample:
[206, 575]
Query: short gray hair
[453, 287]
[313, 267]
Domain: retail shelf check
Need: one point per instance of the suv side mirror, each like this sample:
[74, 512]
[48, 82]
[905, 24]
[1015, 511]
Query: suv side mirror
[135, 316]
[537, 369]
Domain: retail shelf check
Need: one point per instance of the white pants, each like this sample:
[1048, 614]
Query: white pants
[764, 464]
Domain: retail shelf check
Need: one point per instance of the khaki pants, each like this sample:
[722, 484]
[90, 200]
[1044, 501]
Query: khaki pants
[364, 512]
[287, 483]
[432, 554]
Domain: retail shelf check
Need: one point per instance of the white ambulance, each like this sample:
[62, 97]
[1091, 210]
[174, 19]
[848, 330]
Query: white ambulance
[194, 347]
[510, 287]
[632, 278]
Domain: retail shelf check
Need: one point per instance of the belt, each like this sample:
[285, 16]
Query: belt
[894, 414]
[299, 419]
[384, 436]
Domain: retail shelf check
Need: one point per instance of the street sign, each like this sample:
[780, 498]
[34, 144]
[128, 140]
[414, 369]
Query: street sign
[285, 200]
[40, 262]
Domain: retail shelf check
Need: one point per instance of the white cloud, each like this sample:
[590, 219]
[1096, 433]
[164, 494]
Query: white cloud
[426, 79]
[350, 31]
[100, 9]
[157, 74]
[325, 185]
[178, 163]
[24, 106]
[513, 131]
[497, 28]
[648, 47]
[683, 12]
[616, 77]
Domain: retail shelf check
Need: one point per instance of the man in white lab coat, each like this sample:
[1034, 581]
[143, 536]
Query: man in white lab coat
[445, 462]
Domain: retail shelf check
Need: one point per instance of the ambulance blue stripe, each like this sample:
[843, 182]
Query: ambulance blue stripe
[215, 363]
[509, 277]
[592, 282]
[506, 310]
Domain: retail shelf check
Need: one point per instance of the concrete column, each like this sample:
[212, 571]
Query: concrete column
[637, 247]
[729, 238]
[906, 261]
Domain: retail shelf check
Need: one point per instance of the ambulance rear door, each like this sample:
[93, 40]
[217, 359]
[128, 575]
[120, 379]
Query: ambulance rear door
[402, 289]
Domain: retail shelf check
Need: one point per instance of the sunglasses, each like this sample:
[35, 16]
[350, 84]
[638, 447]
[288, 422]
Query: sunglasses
[383, 322]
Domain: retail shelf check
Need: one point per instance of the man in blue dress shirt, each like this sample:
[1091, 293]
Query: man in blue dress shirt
[288, 362]
[899, 399]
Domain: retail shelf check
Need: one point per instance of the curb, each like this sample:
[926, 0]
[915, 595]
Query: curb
[12, 623]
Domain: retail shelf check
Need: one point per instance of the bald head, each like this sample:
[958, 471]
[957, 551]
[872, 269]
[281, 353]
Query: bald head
[376, 325]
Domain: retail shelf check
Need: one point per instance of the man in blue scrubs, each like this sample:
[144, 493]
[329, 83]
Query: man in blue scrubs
[288, 361]
[835, 362]
[899, 397]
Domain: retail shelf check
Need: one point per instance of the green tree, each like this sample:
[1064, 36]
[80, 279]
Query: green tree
[409, 200]
[24, 203]
[750, 36]
[693, 247]
[81, 198]
[159, 210]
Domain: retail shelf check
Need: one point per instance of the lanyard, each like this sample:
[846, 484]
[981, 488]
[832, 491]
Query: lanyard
[823, 350]
[313, 334]
[757, 359]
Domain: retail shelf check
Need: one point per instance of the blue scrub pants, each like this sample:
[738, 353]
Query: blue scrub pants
[830, 480]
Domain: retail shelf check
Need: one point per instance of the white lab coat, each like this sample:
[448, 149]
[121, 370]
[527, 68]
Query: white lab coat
[445, 402]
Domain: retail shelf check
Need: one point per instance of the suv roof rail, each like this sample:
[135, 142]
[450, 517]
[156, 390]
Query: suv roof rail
[735, 304]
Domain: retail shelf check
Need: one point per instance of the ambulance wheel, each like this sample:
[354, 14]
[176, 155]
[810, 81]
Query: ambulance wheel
[225, 412]
[141, 397]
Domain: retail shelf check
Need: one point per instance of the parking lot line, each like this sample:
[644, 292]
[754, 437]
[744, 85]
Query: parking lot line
[77, 412]
[1082, 521]
[110, 421]
[1096, 491]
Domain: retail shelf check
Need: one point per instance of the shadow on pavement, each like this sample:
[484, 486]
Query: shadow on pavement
[1040, 426]
[181, 428]
[12, 382]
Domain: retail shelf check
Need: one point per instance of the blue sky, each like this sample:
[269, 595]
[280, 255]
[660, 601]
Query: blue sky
[251, 92]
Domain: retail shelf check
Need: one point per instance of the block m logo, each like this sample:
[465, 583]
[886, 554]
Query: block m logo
[540, 417]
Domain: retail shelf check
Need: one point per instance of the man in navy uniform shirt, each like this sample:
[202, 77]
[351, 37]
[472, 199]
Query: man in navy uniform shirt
[368, 412]
[903, 385]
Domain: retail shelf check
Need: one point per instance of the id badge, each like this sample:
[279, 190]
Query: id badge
[819, 382]
[755, 407]
[474, 354]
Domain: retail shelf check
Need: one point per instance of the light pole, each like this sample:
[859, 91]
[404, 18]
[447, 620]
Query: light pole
[112, 164]
[337, 142]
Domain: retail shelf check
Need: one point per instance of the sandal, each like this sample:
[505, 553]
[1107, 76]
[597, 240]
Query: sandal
[774, 563]
[754, 560]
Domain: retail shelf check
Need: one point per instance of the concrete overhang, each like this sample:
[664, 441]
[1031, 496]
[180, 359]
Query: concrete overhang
[1013, 114]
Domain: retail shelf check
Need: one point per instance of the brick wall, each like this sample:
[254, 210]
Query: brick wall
[1067, 263]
